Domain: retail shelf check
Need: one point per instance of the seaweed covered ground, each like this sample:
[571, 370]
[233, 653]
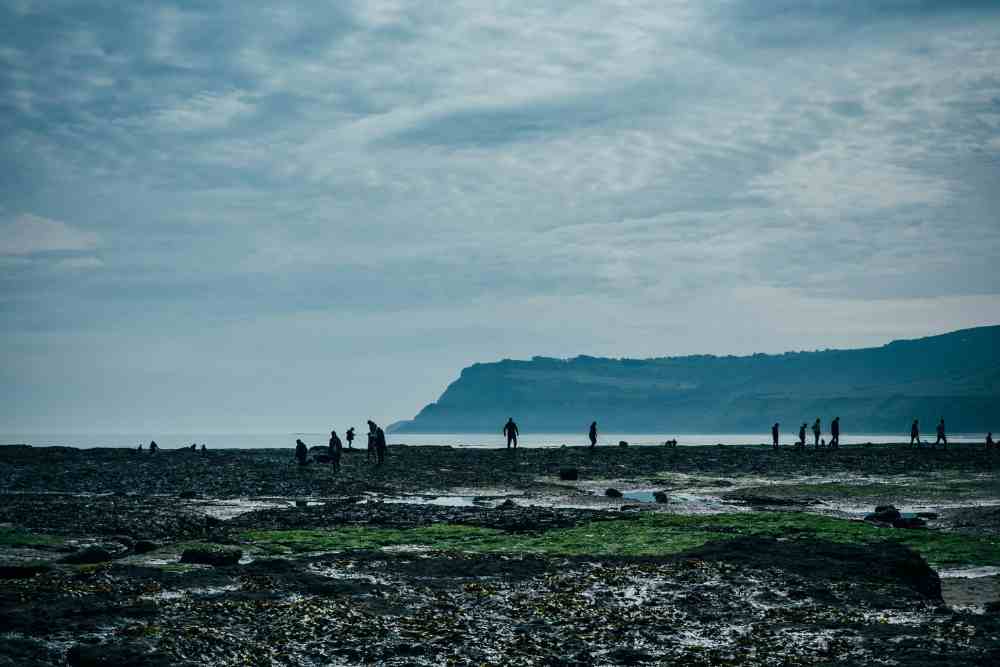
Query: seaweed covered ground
[692, 556]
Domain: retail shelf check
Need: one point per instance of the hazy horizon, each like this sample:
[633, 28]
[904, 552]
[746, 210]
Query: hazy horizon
[253, 218]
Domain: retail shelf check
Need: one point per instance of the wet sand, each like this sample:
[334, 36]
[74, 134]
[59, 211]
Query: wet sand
[458, 556]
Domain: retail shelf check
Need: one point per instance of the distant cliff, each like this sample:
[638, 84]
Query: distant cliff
[877, 390]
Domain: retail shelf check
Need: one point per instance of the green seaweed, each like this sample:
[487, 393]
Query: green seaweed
[649, 535]
[14, 537]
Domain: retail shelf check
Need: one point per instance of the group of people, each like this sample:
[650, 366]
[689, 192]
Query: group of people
[377, 447]
[817, 430]
[941, 437]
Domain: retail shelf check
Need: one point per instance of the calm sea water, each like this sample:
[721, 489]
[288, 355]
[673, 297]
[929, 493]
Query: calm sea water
[482, 440]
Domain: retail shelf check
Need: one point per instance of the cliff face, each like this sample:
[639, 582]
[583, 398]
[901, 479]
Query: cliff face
[955, 375]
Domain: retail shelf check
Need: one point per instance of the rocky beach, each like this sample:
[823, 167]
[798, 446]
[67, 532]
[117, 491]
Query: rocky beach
[563, 556]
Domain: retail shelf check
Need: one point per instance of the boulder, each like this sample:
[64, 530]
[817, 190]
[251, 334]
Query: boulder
[884, 514]
[301, 503]
[22, 570]
[95, 553]
[622, 443]
[144, 546]
[569, 474]
[661, 496]
[212, 556]
[613, 493]
[909, 522]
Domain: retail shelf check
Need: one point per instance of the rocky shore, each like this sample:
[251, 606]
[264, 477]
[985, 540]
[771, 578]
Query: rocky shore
[712, 555]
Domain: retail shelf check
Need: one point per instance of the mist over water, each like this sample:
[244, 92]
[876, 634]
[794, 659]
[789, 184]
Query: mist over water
[473, 440]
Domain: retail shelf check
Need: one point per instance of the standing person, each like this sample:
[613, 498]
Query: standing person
[372, 440]
[336, 446]
[802, 436]
[774, 435]
[941, 437]
[380, 446]
[816, 432]
[593, 434]
[350, 437]
[835, 433]
[510, 430]
[300, 451]
[153, 447]
[915, 433]
[989, 440]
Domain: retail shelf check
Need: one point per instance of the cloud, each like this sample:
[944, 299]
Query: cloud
[78, 264]
[482, 173]
[29, 234]
[204, 111]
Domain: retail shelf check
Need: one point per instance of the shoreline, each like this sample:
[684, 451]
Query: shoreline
[703, 555]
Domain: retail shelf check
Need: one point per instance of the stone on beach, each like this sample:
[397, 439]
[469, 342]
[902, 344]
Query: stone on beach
[211, 556]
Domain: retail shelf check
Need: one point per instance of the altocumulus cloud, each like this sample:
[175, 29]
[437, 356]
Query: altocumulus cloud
[245, 217]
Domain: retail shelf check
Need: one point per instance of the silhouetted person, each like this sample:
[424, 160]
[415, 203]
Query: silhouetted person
[835, 433]
[153, 447]
[915, 433]
[941, 437]
[510, 430]
[989, 440]
[203, 448]
[816, 431]
[336, 446]
[301, 451]
[350, 437]
[802, 436]
[372, 440]
[380, 446]
[774, 435]
[593, 434]
[194, 447]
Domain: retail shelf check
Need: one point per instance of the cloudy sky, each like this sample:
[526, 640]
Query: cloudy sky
[232, 217]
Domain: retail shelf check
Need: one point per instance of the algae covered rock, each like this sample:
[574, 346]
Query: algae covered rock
[208, 555]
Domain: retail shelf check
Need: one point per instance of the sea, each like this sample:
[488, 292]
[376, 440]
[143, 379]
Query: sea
[470, 440]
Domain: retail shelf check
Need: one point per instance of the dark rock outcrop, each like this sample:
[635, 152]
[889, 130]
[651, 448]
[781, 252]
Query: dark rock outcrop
[208, 556]
[887, 562]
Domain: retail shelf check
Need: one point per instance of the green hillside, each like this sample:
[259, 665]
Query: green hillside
[955, 375]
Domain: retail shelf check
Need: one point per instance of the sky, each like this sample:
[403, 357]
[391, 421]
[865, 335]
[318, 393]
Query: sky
[239, 217]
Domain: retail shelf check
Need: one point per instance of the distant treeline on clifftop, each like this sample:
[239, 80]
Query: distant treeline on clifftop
[874, 390]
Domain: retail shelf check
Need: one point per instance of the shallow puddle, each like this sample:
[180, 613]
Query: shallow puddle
[438, 501]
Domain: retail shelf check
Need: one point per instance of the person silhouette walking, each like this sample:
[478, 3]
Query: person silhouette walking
[915, 433]
[593, 434]
[774, 435]
[817, 430]
[835, 433]
[941, 437]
